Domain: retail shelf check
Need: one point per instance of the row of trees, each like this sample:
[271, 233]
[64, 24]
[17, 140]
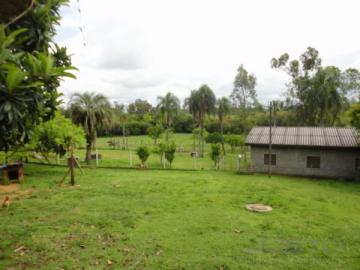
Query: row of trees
[32, 66]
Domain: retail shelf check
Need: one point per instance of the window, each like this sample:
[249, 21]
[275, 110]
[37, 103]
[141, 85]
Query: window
[313, 162]
[357, 164]
[266, 159]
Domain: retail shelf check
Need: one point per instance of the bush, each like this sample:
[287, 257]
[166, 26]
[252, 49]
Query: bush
[234, 141]
[183, 123]
[155, 132]
[215, 154]
[138, 127]
[57, 136]
[143, 154]
[159, 150]
[213, 138]
[170, 150]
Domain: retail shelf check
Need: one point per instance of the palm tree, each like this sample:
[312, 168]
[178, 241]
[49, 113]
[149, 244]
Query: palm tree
[202, 103]
[168, 106]
[91, 110]
[223, 108]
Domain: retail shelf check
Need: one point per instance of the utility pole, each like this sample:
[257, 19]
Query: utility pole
[270, 140]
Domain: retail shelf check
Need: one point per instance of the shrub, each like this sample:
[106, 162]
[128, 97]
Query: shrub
[159, 150]
[213, 138]
[170, 150]
[57, 136]
[234, 141]
[143, 154]
[215, 154]
[138, 127]
[184, 123]
[155, 132]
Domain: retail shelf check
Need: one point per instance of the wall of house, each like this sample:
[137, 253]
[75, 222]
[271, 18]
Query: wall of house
[292, 161]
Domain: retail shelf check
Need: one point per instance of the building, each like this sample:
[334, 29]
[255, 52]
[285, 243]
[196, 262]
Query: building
[309, 151]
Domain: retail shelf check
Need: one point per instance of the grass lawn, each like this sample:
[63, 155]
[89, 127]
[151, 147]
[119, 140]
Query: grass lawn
[128, 158]
[156, 219]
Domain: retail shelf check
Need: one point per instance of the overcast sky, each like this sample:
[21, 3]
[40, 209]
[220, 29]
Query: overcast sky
[144, 48]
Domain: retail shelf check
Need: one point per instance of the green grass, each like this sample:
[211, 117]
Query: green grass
[155, 219]
[121, 158]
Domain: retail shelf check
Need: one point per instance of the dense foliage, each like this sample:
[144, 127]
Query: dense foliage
[215, 154]
[57, 136]
[31, 67]
[143, 153]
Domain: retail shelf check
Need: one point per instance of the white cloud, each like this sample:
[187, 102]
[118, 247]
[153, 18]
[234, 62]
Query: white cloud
[142, 48]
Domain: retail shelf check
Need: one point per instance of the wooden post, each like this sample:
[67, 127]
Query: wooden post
[97, 158]
[72, 165]
[270, 141]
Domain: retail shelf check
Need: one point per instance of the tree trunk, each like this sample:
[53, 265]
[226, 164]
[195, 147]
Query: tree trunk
[201, 139]
[123, 132]
[222, 135]
[94, 140]
[88, 150]
[72, 165]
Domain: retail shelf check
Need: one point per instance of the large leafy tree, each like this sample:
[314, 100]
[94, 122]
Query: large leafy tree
[243, 95]
[169, 106]
[223, 107]
[139, 108]
[319, 93]
[201, 103]
[30, 72]
[92, 111]
[57, 135]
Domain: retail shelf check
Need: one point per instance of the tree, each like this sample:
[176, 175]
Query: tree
[223, 108]
[143, 153]
[234, 141]
[354, 114]
[168, 106]
[57, 136]
[201, 103]
[170, 150]
[215, 154]
[31, 67]
[155, 132]
[214, 137]
[90, 110]
[139, 108]
[244, 93]
[319, 93]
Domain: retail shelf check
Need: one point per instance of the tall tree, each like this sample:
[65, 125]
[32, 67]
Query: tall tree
[169, 106]
[90, 110]
[31, 68]
[223, 108]
[139, 108]
[202, 103]
[319, 92]
[244, 93]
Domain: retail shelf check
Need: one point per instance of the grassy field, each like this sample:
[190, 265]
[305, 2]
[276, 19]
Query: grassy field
[155, 219]
[127, 158]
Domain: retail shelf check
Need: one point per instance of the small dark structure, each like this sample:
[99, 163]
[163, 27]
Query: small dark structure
[309, 151]
[13, 173]
[93, 156]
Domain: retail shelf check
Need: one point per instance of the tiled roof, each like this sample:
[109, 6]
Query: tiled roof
[305, 136]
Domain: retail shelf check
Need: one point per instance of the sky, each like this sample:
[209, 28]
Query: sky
[145, 48]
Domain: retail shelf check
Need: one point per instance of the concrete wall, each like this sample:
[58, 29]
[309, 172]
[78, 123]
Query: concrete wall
[292, 161]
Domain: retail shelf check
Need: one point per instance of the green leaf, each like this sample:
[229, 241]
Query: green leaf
[14, 77]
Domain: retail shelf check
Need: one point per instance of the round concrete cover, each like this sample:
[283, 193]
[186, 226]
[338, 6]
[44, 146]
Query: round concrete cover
[258, 207]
